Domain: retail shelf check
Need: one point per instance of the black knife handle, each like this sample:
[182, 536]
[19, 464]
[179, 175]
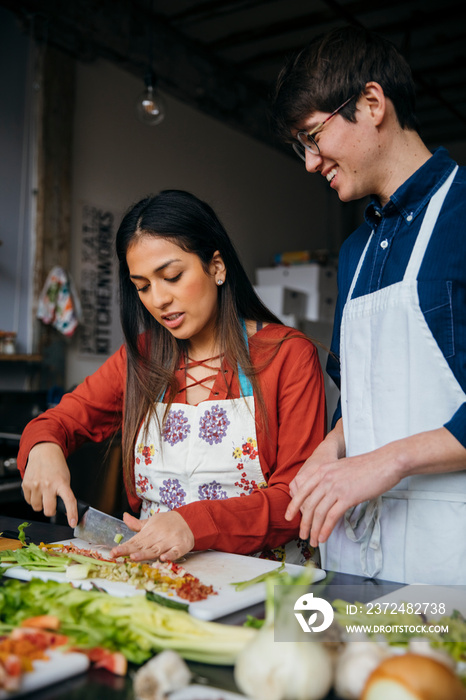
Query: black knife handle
[82, 507]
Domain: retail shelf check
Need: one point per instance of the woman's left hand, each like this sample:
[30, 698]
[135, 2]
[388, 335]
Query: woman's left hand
[164, 536]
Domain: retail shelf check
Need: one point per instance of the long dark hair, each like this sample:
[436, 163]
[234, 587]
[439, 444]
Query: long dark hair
[153, 352]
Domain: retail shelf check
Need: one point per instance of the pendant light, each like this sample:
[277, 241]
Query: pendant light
[150, 105]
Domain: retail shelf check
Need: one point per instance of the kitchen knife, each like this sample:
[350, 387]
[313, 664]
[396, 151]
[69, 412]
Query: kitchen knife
[97, 527]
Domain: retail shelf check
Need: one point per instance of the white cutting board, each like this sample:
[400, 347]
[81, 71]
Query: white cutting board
[60, 665]
[218, 569]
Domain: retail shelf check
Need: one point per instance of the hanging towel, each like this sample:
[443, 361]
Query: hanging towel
[58, 302]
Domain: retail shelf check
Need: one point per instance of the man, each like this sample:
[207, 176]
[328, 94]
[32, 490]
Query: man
[386, 489]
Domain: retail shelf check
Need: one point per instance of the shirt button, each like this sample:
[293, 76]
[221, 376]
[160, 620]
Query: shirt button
[409, 217]
[384, 244]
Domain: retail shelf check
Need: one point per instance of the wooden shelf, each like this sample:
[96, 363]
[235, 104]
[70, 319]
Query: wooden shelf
[28, 359]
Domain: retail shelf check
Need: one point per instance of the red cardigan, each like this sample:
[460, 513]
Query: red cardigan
[293, 391]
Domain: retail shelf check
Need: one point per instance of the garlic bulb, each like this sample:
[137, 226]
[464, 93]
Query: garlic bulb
[269, 670]
[354, 666]
[161, 675]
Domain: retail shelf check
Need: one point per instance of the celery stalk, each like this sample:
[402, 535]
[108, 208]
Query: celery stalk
[135, 626]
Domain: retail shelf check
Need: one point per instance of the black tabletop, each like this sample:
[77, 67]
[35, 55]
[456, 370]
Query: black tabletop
[99, 684]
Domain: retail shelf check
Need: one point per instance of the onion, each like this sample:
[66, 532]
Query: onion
[413, 677]
[269, 670]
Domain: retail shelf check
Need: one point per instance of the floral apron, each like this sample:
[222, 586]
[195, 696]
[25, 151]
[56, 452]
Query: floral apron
[207, 451]
[395, 383]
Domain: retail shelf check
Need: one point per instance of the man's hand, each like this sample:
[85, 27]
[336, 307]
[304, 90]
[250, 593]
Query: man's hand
[323, 492]
[46, 477]
[329, 483]
[164, 536]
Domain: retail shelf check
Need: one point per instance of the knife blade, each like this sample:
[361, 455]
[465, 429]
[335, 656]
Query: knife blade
[97, 527]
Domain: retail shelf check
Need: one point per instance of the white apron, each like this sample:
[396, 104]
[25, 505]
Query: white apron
[395, 382]
[208, 451]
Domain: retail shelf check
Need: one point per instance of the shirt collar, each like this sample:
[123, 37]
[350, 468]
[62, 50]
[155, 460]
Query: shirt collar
[411, 198]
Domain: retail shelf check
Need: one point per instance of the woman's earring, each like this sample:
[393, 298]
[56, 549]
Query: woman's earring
[219, 282]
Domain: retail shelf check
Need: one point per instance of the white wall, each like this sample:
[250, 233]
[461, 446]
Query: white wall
[266, 200]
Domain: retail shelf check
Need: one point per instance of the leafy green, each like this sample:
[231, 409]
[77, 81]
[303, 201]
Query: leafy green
[455, 642]
[136, 626]
[254, 622]
[33, 558]
[22, 534]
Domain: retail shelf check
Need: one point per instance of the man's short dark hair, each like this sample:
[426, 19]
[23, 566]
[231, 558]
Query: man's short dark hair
[335, 66]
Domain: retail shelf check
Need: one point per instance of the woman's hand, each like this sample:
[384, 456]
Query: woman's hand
[164, 536]
[46, 477]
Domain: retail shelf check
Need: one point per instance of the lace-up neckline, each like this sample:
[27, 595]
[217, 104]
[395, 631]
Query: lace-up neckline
[214, 364]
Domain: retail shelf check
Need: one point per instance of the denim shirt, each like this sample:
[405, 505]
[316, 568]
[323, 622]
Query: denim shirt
[442, 276]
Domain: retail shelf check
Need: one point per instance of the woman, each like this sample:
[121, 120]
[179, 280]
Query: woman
[220, 403]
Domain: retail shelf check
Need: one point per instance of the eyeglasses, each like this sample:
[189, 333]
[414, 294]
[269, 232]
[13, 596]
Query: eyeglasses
[306, 140]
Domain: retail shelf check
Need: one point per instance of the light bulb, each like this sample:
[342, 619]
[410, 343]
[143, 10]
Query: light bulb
[150, 106]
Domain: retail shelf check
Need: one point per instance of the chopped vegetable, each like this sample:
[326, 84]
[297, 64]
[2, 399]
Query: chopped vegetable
[118, 537]
[135, 626]
[22, 534]
[112, 661]
[254, 622]
[43, 622]
[79, 564]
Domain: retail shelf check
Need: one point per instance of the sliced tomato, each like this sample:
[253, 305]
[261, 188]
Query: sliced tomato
[112, 661]
[115, 662]
[43, 622]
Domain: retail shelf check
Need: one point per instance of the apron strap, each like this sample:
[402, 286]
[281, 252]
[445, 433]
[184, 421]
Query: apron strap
[423, 238]
[425, 232]
[244, 383]
[358, 269]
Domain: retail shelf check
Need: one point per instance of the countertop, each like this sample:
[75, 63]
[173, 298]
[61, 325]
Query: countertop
[98, 684]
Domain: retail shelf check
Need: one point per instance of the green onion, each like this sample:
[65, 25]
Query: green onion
[161, 600]
[241, 585]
